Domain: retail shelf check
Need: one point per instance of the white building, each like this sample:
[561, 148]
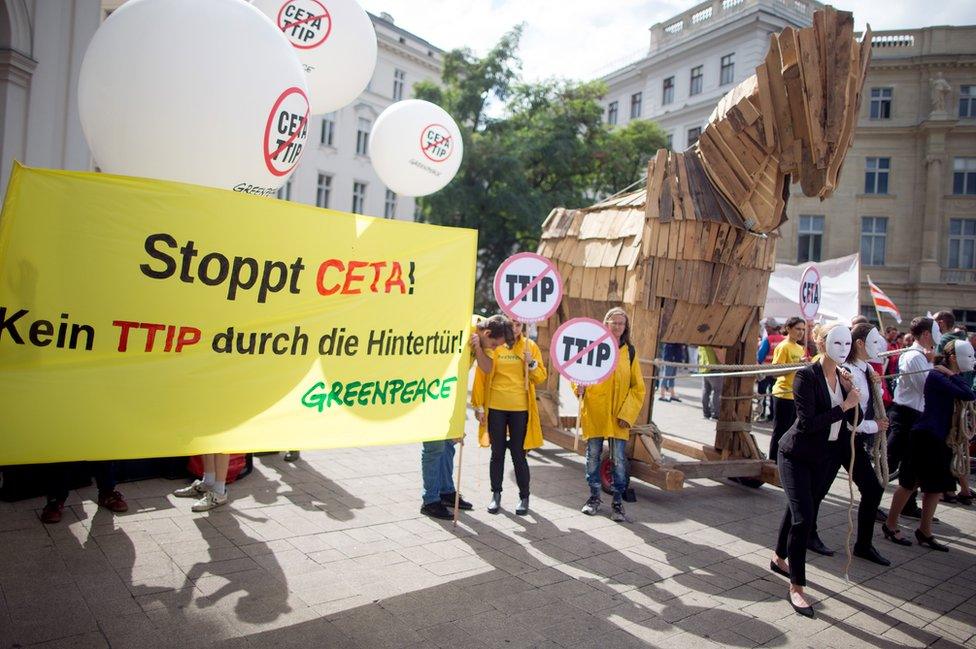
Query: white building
[693, 59]
[42, 43]
[335, 171]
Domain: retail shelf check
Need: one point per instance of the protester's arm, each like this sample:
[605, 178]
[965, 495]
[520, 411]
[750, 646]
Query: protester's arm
[537, 373]
[632, 405]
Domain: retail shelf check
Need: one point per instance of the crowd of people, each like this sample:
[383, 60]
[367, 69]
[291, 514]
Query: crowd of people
[857, 386]
[856, 400]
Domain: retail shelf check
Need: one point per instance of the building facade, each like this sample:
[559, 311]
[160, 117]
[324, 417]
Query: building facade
[42, 45]
[693, 59]
[906, 198]
[335, 171]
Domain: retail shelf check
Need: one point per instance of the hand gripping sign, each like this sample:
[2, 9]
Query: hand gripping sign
[810, 293]
[528, 287]
[585, 352]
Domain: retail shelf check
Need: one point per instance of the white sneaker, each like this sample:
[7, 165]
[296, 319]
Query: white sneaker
[210, 500]
[195, 490]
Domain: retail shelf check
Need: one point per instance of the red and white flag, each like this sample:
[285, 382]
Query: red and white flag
[882, 302]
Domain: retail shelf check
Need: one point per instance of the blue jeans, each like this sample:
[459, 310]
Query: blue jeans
[594, 449]
[437, 465]
[669, 373]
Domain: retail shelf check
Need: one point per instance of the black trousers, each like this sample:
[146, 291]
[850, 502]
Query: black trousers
[839, 453]
[515, 423]
[58, 475]
[800, 480]
[902, 419]
[784, 414]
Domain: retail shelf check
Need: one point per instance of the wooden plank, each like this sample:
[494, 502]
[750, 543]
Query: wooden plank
[781, 105]
[813, 92]
[766, 104]
[719, 469]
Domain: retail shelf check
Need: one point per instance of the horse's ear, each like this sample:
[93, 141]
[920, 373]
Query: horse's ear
[794, 119]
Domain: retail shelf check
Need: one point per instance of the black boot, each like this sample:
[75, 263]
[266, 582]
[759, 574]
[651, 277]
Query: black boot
[496, 502]
[818, 546]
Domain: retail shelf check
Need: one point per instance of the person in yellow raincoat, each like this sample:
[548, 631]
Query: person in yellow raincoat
[609, 410]
[508, 416]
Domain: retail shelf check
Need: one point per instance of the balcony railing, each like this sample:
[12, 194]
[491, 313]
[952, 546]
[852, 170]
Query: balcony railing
[958, 276]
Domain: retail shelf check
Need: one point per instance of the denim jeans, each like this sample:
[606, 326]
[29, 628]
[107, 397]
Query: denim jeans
[594, 449]
[437, 466]
[669, 373]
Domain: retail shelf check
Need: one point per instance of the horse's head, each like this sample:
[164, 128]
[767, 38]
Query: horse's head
[794, 118]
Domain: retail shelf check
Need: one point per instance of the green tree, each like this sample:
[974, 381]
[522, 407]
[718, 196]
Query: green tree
[549, 148]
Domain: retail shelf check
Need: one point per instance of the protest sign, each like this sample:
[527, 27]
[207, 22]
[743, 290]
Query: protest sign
[528, 287]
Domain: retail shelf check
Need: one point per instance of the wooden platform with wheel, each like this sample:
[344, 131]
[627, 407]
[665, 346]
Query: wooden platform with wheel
[689, 256]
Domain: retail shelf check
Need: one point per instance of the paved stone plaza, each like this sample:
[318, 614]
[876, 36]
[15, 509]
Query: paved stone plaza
[332, 552]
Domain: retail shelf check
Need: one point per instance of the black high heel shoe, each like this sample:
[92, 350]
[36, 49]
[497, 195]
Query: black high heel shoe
[779, 571]
[930, 541]
[805, 611]
[890, 535]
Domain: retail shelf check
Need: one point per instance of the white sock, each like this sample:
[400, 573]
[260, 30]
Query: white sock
[220, 487]
[209, 478]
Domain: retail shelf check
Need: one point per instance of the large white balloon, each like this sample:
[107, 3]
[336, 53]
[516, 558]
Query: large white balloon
[334, 40]
[199, 92]
[415, 147]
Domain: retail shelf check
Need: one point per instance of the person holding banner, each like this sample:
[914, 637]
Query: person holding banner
[210, 490]
[823, 403]
[609, 409]
[437, 456]
[508, 415]
[787, 352]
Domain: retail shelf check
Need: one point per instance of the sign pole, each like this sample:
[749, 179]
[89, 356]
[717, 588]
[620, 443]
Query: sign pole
[579, 412]
[457, 483]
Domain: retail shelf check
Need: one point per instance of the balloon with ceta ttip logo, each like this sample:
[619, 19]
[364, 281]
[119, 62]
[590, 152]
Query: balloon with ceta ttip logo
[209, 93]
[335, 42]
[415, 147]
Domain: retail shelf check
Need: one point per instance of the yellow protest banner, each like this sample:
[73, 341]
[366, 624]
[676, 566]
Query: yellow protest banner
[143, 318]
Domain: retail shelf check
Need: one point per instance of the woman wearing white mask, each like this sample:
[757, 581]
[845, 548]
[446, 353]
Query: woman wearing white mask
[866, 344]
[824, 399]
[928, 464]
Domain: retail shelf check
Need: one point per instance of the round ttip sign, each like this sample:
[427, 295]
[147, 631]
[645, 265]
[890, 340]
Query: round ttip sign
[584, 351]
[528, 287]
[810, 293]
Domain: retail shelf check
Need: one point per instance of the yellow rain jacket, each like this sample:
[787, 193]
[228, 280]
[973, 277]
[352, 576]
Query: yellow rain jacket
[620, 396]
[482, 389]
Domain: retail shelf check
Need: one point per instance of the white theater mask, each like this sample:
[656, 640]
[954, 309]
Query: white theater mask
[965, 356]
[838, 344]
[874, 345]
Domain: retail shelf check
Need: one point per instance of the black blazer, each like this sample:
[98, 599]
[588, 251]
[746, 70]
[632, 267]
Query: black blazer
[807, 439]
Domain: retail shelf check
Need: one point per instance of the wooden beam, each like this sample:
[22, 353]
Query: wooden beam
[665, 478]
[718, 469]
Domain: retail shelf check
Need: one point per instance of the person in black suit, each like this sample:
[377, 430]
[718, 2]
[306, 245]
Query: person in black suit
[825, 400]
[867, 343]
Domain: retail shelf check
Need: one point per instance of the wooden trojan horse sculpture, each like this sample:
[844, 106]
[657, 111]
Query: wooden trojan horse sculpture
[689, 256]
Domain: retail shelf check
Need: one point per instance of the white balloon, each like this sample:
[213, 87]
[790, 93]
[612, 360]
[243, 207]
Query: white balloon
[334, 40]
[415, 147]
[199, 92]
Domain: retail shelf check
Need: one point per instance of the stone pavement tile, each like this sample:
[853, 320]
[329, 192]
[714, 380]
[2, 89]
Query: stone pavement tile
[498, 588]
[743, 596]
[690, 641]
[914, 611]
[90, 640]
[759, 630]
[373, 626]
[506, 562]
[948, 631]
[35, 624]
[317, 632]
[434, 606]
[652, 631]
[525, 600]
[872, 622]
[325, 557]
[573, 630]
[595, 601]
[457, 566]
[451, 636]
[845, 635]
